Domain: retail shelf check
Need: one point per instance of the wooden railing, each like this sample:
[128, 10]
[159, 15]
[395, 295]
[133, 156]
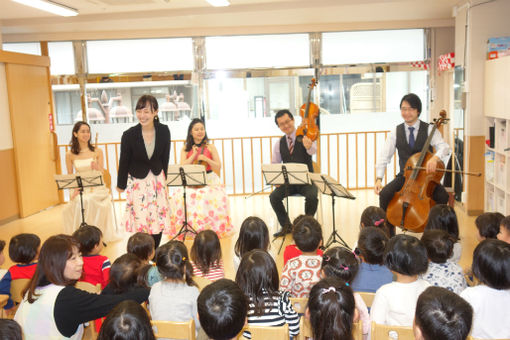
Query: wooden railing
[348, 157]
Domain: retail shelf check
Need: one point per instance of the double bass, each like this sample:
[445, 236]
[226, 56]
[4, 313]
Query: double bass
[309, 113]
[409, 209]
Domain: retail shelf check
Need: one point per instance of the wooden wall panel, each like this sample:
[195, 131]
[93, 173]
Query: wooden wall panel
[475, 185]
[9, 208]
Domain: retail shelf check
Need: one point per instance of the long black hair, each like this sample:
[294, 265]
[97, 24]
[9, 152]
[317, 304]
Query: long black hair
[189, 139]
[173, 262]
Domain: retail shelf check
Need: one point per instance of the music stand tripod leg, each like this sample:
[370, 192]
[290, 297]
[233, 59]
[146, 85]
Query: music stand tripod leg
[186, 227]
[332, 238]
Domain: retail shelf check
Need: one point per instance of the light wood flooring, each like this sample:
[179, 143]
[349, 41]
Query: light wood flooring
[347, 214]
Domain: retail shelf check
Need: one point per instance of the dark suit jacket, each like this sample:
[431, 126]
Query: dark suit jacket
[133, 156]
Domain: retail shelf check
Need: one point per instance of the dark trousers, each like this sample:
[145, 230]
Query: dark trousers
[440, 196]
[278, 194]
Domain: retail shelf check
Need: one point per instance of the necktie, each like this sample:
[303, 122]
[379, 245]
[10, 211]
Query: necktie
[291, 145]
[411, 137]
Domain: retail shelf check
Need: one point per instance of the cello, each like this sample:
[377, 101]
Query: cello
[309, 113]
[409, 208]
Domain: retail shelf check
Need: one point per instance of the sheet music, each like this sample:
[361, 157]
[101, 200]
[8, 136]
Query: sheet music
[297, 173]
[92, 178]
[328, 185]
[195, 175]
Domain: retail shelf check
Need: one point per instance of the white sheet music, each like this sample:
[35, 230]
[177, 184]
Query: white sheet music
[297, 173]
[195, 175]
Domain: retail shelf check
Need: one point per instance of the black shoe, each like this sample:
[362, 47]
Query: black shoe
[286, 229]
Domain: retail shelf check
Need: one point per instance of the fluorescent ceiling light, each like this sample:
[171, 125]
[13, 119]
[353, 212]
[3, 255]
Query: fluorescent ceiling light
[219, 3]
[50, 6]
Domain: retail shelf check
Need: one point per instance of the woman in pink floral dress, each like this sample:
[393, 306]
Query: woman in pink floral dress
[207, 206]
[143, 164]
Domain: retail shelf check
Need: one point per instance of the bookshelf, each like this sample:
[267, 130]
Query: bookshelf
[497, 132]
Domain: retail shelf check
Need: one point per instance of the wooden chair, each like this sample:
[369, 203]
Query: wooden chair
[3, 300]
[267, 332]
[299, 304]
[383, 332]
[174, 330]
[367, 297]
[201, 282]
[17, 286]
[93, 289]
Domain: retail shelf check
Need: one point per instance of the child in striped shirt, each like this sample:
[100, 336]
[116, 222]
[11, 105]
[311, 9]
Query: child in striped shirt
[257, 277]
[206, 256]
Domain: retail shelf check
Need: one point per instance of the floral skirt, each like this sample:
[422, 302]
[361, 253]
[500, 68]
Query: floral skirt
[147, 208]
[207, 208]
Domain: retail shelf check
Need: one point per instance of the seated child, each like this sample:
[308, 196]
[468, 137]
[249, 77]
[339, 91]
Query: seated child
[127, 321]
[395, 303]
[487, 225]
[372, 272]
[127, 273]
[142, 245]
[331, 310]
[374, 216]
[307, 234]
[441, 314]
[504, 230]
[206, 256]
[441, 271]
[257, 277]
[490, 299]
[252, 235]
[341, 263]
[292, 250]
[175, 297]
[96, 267]
[10, 330]
[23, 250]
[222, 309]
[442, 216]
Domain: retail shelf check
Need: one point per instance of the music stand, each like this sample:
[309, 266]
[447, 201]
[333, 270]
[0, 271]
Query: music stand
[285, 174]
[186, 175]
[329, 186]
[80, 181]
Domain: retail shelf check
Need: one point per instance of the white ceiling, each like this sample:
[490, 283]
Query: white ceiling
[102, 19]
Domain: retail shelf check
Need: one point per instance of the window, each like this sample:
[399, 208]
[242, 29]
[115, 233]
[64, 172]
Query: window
[28, 48]
[62, 57]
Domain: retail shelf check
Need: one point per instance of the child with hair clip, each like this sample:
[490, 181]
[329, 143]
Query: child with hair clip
[341, 263]
[96, 267]
[374, 216]
[291, 251]
[490, 299]
[442, 216]
[175, 297]
[128, 272]
[24, 251]
[441, 314]
[206, 256]
[257, 277]
[441, 271]
[331, 310]
[372, 273]
[504, 230]
[302, 272]
[252, 235]
[487, 225]
[395, 303]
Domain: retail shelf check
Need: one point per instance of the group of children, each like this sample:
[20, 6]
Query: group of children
[412, 279]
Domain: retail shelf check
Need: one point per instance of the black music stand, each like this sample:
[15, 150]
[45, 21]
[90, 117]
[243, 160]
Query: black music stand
[285, 174]
[188, 175]
[329, 186]
[80, 181]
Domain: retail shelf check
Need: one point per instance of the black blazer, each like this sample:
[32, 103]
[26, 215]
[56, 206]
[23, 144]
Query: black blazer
[133, 156]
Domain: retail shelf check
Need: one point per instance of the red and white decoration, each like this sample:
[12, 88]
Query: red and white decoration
[424, 65]
[446, 62]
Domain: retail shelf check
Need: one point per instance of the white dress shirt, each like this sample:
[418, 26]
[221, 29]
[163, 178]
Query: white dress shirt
[443, 150]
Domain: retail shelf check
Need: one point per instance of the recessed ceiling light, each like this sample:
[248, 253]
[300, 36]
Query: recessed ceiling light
[219, 3]
[50, 6]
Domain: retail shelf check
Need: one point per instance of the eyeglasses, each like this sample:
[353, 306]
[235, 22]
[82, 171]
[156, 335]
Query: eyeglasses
[286, 122]
[407, 109]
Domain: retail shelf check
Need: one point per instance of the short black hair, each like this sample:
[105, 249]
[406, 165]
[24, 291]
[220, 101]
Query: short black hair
[341, 263]
[406, 255]
[307, 234]
[10, 330]
[222, 309]
[442, 314]
[127, 321]
[488, 224]
[206, 250]
[252, 235]
[88, 236]
[371, 245]
[2, 245]
[505, 223]
[491, 263]
[141, 244]
[442, 216]
[23, 248]
[282, 113]
[413, 101]
[439, 245]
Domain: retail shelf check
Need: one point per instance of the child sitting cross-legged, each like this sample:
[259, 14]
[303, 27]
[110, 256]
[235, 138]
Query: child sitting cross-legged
[302, 272]
[291, 251]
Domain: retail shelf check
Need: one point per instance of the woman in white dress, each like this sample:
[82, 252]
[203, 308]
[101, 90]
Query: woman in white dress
[97, 201]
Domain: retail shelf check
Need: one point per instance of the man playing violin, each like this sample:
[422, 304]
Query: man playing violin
[290, 149]
[409, 138]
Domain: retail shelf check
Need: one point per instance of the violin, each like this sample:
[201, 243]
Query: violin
[309, 113]
[201, 148]
[409, 209]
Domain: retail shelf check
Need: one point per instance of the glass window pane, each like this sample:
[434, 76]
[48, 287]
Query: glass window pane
[28, 48]
[62, 57]
[141, 55]
[237, 52]
[339, 48]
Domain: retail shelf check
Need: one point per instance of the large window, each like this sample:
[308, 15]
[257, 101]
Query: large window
[28, 48]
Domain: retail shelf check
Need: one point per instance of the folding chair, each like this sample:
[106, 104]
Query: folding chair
[383, 332]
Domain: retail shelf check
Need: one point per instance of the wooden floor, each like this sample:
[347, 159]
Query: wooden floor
[347, 214]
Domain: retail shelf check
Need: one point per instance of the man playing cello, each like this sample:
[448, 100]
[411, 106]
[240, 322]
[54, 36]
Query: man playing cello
[409, 138]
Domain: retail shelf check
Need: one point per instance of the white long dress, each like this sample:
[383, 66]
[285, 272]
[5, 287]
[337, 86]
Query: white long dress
[98, 206]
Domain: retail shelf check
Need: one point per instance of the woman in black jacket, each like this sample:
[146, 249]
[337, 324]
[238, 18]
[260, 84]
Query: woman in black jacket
[143, 164]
